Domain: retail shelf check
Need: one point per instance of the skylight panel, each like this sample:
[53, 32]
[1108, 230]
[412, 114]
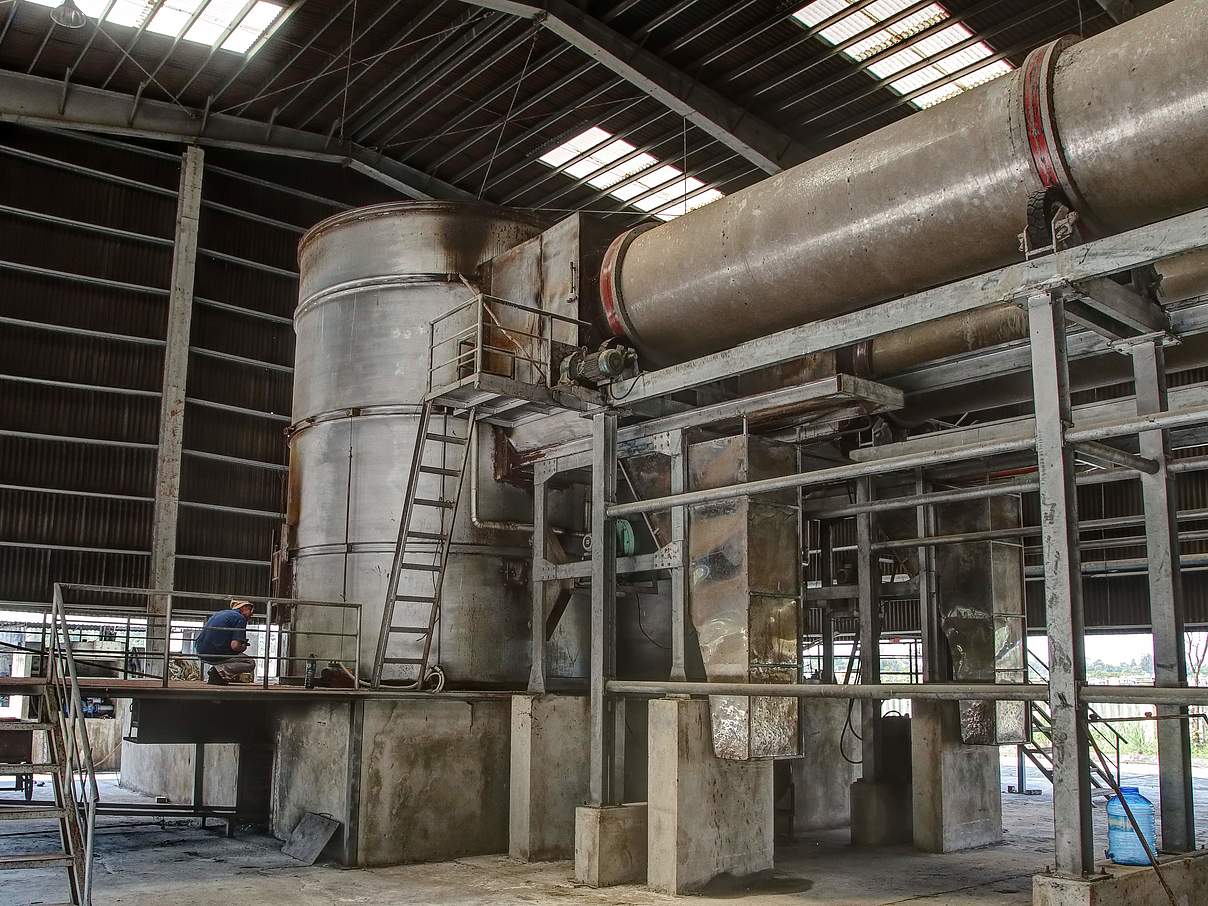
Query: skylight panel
[173, 16]
[633, 175]
[248, 32]
[216, 18]
[921, 51]
[214, 21]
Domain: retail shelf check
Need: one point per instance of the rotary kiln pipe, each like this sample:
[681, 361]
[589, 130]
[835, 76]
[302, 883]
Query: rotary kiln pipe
[1118, 123]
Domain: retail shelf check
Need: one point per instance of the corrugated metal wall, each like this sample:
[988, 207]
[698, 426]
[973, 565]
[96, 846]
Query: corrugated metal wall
[87, 226]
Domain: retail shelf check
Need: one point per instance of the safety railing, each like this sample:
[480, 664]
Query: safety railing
[149, 635]
[1111, 738]
[487, 335]
[75, 761]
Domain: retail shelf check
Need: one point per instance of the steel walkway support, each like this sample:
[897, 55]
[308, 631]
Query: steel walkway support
[1166, 610]
[1074, 831]
[603, 788]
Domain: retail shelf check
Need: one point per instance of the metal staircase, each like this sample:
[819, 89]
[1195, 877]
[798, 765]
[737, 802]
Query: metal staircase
[59, 714]
[438, 465]
[1041, 755]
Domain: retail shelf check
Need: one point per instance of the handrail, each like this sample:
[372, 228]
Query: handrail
[81, 786]
[1096, 723]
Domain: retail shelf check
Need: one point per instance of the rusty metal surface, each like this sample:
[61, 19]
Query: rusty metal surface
[981, 600]
[743, 593]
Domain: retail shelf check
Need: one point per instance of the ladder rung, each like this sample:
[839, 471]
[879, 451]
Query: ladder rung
[41, 768]
[415, 599]
[440, 504]
[427, 536]
[446, 438]
[404, 660]
[440, 470]
[34, 860]
[425, 567]
[22, 725]
[417, 630]
[30, 813]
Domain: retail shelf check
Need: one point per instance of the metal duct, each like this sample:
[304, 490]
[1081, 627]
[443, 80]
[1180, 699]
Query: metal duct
[1114, 122]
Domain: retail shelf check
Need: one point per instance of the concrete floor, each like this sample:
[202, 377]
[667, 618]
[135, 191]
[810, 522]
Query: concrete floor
[149, 865]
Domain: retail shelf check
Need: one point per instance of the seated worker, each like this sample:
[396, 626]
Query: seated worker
[222, 643]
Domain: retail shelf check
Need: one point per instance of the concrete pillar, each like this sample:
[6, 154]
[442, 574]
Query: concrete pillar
[956, 787]
[822, 776]
[881, 812]
[610, 844]
[548, 775]
[707, 815]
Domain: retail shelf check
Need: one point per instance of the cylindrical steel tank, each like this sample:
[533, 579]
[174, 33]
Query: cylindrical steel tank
[1118, 121]
[372, 280]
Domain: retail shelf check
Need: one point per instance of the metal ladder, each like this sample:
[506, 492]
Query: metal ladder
[425, 553]
[64, 809]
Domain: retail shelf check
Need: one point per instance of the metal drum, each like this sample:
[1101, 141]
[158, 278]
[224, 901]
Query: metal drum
[372, 280]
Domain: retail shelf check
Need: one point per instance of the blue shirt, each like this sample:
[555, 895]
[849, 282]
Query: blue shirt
[220, 630]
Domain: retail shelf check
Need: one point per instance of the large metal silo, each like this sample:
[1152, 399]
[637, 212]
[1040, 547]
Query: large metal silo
[371, 281]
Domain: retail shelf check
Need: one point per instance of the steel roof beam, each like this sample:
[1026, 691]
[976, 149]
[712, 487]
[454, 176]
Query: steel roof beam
[431, 66]
[33, 100]
[762, 144]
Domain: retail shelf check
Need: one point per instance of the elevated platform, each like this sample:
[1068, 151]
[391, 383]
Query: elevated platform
[154, 689]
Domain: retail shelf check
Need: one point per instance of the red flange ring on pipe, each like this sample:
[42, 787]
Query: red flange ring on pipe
[610, 290]
[1048, 160]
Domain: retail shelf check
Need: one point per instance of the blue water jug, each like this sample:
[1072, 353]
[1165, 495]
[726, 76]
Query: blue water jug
[1123, 847]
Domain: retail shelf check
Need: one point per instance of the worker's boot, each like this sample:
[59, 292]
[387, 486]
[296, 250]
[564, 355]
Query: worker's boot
[244, 678]
[214, 678]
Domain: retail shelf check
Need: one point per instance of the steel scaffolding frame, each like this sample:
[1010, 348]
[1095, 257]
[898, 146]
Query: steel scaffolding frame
[1043, 286]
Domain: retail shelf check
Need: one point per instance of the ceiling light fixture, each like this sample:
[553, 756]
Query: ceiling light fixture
[68, 15]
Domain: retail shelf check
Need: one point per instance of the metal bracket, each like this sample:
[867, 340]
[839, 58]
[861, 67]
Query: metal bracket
[138, 97]
[1113, 310]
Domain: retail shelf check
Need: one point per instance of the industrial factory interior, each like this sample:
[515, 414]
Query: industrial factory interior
[506, 453]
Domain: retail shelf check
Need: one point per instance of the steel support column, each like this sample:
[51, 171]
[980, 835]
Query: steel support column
[537, 616]
[679, 536]
[868, 583]
[1074, 832]
[1165, 605]
[935, 660]
[601, 786]
[825, 555]
[176, 366]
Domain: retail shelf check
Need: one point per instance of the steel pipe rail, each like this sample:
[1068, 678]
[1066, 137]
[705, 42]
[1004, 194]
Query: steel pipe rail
[1018, 692]
[1140, 695]
[950, 184]
[824, 476]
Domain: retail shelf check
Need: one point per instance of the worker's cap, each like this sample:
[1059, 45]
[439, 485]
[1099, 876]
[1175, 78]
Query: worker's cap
[235, 603]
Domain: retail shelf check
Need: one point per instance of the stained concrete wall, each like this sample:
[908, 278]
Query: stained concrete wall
[957, 795]
[706, 815]
[410, 781]
[105, 738]
[822, 777]
[434, 781]
[549, 760]
[311, 769]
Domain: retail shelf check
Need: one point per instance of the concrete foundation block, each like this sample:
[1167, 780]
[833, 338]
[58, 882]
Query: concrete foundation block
[708, 816]
[821, 777]
[610, 845]
[1125, 886]
[881, 813]
[957, 795]
[548, 775]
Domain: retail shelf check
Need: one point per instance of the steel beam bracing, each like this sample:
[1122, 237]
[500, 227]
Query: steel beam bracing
[32, 100]
[764, 145]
